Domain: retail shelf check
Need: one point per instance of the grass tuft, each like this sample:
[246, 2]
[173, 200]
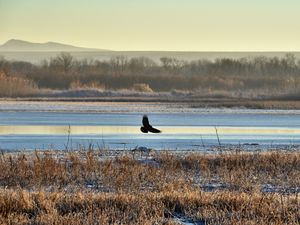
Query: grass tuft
[96, 187]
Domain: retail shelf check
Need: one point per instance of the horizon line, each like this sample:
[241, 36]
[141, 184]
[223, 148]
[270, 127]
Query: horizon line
[96, 49]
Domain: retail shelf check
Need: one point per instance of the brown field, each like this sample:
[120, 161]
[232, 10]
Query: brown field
[123, 187]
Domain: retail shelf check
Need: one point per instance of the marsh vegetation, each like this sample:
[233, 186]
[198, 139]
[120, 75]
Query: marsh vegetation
[245, 77]
[123, 187]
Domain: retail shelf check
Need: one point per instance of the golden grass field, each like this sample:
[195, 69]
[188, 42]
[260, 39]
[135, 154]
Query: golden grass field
[124, 187]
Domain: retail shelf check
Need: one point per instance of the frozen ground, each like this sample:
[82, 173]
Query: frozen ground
[127, 107]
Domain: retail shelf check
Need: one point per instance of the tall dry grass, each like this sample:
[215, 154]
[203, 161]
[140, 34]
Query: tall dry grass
[98, 187]
[223, 207]
[16, 86]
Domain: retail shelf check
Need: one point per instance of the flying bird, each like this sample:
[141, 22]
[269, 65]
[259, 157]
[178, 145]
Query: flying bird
[147, 127]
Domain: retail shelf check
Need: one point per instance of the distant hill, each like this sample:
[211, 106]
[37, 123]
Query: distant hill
[14, 45]
[36, 52]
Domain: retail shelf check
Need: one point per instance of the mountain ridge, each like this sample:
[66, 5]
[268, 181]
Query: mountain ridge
[16, 45]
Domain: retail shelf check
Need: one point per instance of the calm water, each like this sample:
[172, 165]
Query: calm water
[196, 131]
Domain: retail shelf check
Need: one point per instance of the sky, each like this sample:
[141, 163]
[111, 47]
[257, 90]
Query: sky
[156, 25]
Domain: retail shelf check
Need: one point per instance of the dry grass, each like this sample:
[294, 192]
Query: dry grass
[142, 87]
[16, 86]
[75, 85]
[23, 207]
[93, 187]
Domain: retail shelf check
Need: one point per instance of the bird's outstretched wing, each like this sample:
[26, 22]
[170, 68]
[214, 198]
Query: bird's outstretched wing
[147, 127]
[153, 130]
[146, 122]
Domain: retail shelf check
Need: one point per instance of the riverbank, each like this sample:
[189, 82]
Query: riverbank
[140, 104]
[147, 187]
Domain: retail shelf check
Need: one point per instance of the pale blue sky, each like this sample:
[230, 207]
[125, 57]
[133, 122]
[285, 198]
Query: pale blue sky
[184, 25]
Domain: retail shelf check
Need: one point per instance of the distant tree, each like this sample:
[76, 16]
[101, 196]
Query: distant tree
[82, 66]
[291, 60]
[64, 61]
[140, 64]
[4, 65]
[166, 62]
[22, 67]
[102, 67]
[44, 64]
[172, 65]
[119, 64]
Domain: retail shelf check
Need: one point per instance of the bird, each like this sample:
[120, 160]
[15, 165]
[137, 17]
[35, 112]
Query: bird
[147, 127]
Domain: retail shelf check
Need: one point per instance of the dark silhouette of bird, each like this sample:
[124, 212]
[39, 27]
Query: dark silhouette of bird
[147, 127]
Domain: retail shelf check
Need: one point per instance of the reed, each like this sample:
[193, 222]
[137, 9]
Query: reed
[113, 187]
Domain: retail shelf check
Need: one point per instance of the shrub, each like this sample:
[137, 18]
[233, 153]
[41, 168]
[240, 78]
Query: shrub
[142, 87]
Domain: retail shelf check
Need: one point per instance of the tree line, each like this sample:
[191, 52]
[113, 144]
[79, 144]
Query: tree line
[253, 73]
